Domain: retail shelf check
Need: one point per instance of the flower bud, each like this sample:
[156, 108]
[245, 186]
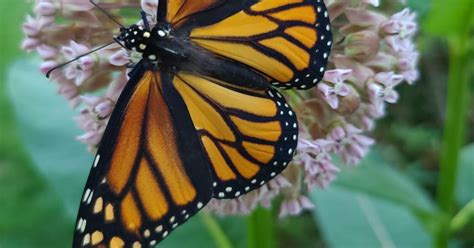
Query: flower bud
[362, 46]
[348, 104]
[45, 8]
[29, 44]
[149, 6]
[104, 109]
[119, 58]
[47, 66]
[30, 27]
[46, 52]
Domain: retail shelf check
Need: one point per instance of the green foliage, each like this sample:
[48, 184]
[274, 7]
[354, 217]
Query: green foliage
[47, 127]
[415, 140]
[465, 182]
[421, 7]
[449, 18]
[31, 214]
[454, 21]
[370, 198]
[378, 179]
[353, 219]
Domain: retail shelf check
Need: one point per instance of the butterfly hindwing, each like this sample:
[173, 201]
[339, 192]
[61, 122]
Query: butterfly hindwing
[149, 174]
[249, 136]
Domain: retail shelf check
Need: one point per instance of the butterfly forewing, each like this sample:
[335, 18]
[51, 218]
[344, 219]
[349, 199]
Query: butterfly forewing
[287, 41]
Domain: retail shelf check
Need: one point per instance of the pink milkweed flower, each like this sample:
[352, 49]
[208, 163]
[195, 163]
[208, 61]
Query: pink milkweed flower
[46, 52]
[120, 58]
[383, 89]
[30, 44]
[333, 86]
[295, 206]
[45, 8]
[315, 157]
[81, 69]
[32, 26]
[401, 24]
[350, 143]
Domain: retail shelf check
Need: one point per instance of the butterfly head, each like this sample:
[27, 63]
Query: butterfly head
[134, 38]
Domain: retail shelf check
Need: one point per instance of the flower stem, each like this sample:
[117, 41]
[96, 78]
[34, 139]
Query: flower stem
[215, 230]
[454, 129]
[260, 229]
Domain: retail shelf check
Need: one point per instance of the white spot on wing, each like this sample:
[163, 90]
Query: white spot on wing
[96, 161]
[86, 195]
[79, 224]
[83, 226]
[89, 200]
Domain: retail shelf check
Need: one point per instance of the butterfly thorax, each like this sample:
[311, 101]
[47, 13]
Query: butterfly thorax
[155, 46]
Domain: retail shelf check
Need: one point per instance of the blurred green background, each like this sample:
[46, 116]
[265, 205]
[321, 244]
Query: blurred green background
[415, 189]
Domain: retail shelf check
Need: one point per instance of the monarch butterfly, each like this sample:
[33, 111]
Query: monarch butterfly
[200, 117]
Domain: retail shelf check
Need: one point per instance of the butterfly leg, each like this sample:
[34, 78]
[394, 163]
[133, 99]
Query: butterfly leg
[145, 21]
[131, 65]
[120, 43]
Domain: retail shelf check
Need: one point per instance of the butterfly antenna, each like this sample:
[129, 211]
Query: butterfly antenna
[78, 57]
[106, 13]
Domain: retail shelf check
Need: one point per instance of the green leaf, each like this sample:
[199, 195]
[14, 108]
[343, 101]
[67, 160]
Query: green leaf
[352, 219]
[375, 177]
[449, 17]
[465, 182]
[31, 213]
[14, 13]
[48, 130]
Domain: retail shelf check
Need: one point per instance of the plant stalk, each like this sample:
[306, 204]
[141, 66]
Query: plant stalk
[261, 233]
[454, 130]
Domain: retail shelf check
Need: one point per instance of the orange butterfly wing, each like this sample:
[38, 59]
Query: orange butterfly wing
[149, 176]
[249, 136]
[288, 41]
[174, 142]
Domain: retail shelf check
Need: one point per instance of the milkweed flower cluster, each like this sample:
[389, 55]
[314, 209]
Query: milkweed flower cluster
[373, 53]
